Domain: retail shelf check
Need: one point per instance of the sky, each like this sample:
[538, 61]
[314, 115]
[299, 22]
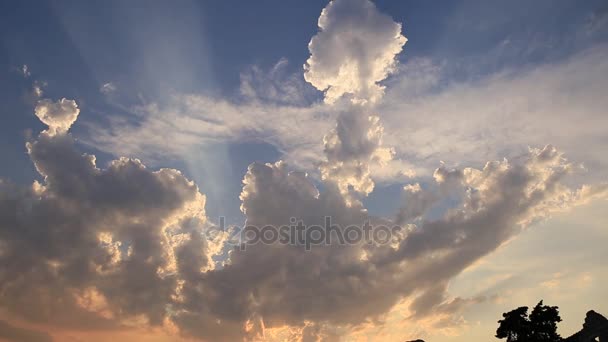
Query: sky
[139, 139]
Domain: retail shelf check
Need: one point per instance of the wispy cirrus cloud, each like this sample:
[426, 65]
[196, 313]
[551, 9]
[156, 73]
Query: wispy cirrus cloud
[426, 117]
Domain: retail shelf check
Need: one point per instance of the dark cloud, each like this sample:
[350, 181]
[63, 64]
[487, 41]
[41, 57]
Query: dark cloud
[340, 285]
[90, 235]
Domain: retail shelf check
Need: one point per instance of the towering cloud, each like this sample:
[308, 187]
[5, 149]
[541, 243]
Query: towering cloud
[353, 51]
[350, 148]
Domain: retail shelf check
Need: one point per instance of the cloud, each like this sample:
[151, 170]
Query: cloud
[119, 246]
[25, 70]
[356, 140]
[597, 21]
[276, 86]
[90, 247]
[162, 131]
[13, 333]
[333, 284]
[430, 117]
[427, 118]
[37, 89]
[107, 88]
[351, 148]
[354, 50]
[59, 116]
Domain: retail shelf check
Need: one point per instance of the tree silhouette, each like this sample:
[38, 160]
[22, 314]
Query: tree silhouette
[544, 321]
[515, 325]
[540, 326]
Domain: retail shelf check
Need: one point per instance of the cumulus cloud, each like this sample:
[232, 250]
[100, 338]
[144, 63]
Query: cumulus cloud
[354, 144]
[59, 115]
[292, 286]
[125, 245]
[91, 247]
[353, 51]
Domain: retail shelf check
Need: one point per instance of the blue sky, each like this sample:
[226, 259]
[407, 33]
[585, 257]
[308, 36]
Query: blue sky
[210, 87]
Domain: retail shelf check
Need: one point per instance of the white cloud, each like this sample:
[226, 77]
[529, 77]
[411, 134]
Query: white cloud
[351, 148]
[158, 132]
[107, 88]
[25, 70]
[59, 116]
[431, 118]
[427, 119]
[276, 86]
[354, 50]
